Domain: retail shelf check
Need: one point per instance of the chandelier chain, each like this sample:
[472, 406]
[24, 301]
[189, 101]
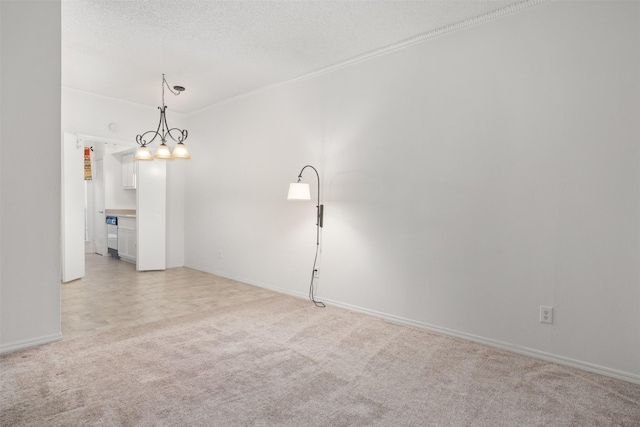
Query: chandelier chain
[164, 83]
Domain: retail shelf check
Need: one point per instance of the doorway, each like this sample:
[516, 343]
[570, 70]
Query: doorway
[98, 187]
[87, 202]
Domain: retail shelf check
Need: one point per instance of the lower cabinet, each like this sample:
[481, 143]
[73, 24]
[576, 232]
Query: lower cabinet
[127, 246]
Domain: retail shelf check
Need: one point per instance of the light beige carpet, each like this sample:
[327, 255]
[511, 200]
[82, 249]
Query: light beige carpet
[282, 362]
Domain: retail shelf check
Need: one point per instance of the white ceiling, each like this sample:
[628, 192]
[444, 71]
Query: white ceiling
[222, 49]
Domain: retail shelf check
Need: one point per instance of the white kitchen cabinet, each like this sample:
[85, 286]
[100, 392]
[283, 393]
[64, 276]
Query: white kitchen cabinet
[127, 244]
[128, 172]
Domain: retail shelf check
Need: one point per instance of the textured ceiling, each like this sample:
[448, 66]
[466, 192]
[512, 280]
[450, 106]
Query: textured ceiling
[222, 49]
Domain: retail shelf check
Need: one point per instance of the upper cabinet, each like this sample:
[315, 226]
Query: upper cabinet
[128, 172]
[121, 179]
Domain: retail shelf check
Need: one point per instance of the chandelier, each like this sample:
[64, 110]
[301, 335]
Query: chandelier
[163, 132]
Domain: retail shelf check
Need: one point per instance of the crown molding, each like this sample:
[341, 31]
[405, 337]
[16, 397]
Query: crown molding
[384, 50]
[119, 100]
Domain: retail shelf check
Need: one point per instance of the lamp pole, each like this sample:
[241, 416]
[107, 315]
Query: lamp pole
[319, 218]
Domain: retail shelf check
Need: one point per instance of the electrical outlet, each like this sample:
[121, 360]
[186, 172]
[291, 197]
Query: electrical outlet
[220, 254]
[546, 314]
[316, 273]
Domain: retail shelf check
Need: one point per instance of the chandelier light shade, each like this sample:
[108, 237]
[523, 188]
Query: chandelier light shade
[180, 152]
[163, 152]
[163, 132]
[143, 153]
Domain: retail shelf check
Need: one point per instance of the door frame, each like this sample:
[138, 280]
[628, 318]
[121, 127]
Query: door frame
[72, 208]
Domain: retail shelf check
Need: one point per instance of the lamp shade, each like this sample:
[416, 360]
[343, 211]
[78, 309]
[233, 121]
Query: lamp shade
[180, 152]
[163, 152]
[143, 153]
[299, 191]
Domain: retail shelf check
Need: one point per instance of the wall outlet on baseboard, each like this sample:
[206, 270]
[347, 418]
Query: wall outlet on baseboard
[316, 273]
[546, 314]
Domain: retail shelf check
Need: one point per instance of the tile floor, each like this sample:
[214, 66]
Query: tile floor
[114, 294]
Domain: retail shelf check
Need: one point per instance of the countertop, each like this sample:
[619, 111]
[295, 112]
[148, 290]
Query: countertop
[124, 213]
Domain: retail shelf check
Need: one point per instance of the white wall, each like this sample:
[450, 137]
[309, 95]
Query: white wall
[88, 114]
[30, 173]
[467, 180]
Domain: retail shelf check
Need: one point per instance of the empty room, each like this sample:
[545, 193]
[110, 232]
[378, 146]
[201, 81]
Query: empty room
[320, 213]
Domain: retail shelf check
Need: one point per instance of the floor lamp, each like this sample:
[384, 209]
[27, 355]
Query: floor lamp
[300, 191]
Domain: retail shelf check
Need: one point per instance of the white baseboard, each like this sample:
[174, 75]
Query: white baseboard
[561, 360]
[19, 345]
